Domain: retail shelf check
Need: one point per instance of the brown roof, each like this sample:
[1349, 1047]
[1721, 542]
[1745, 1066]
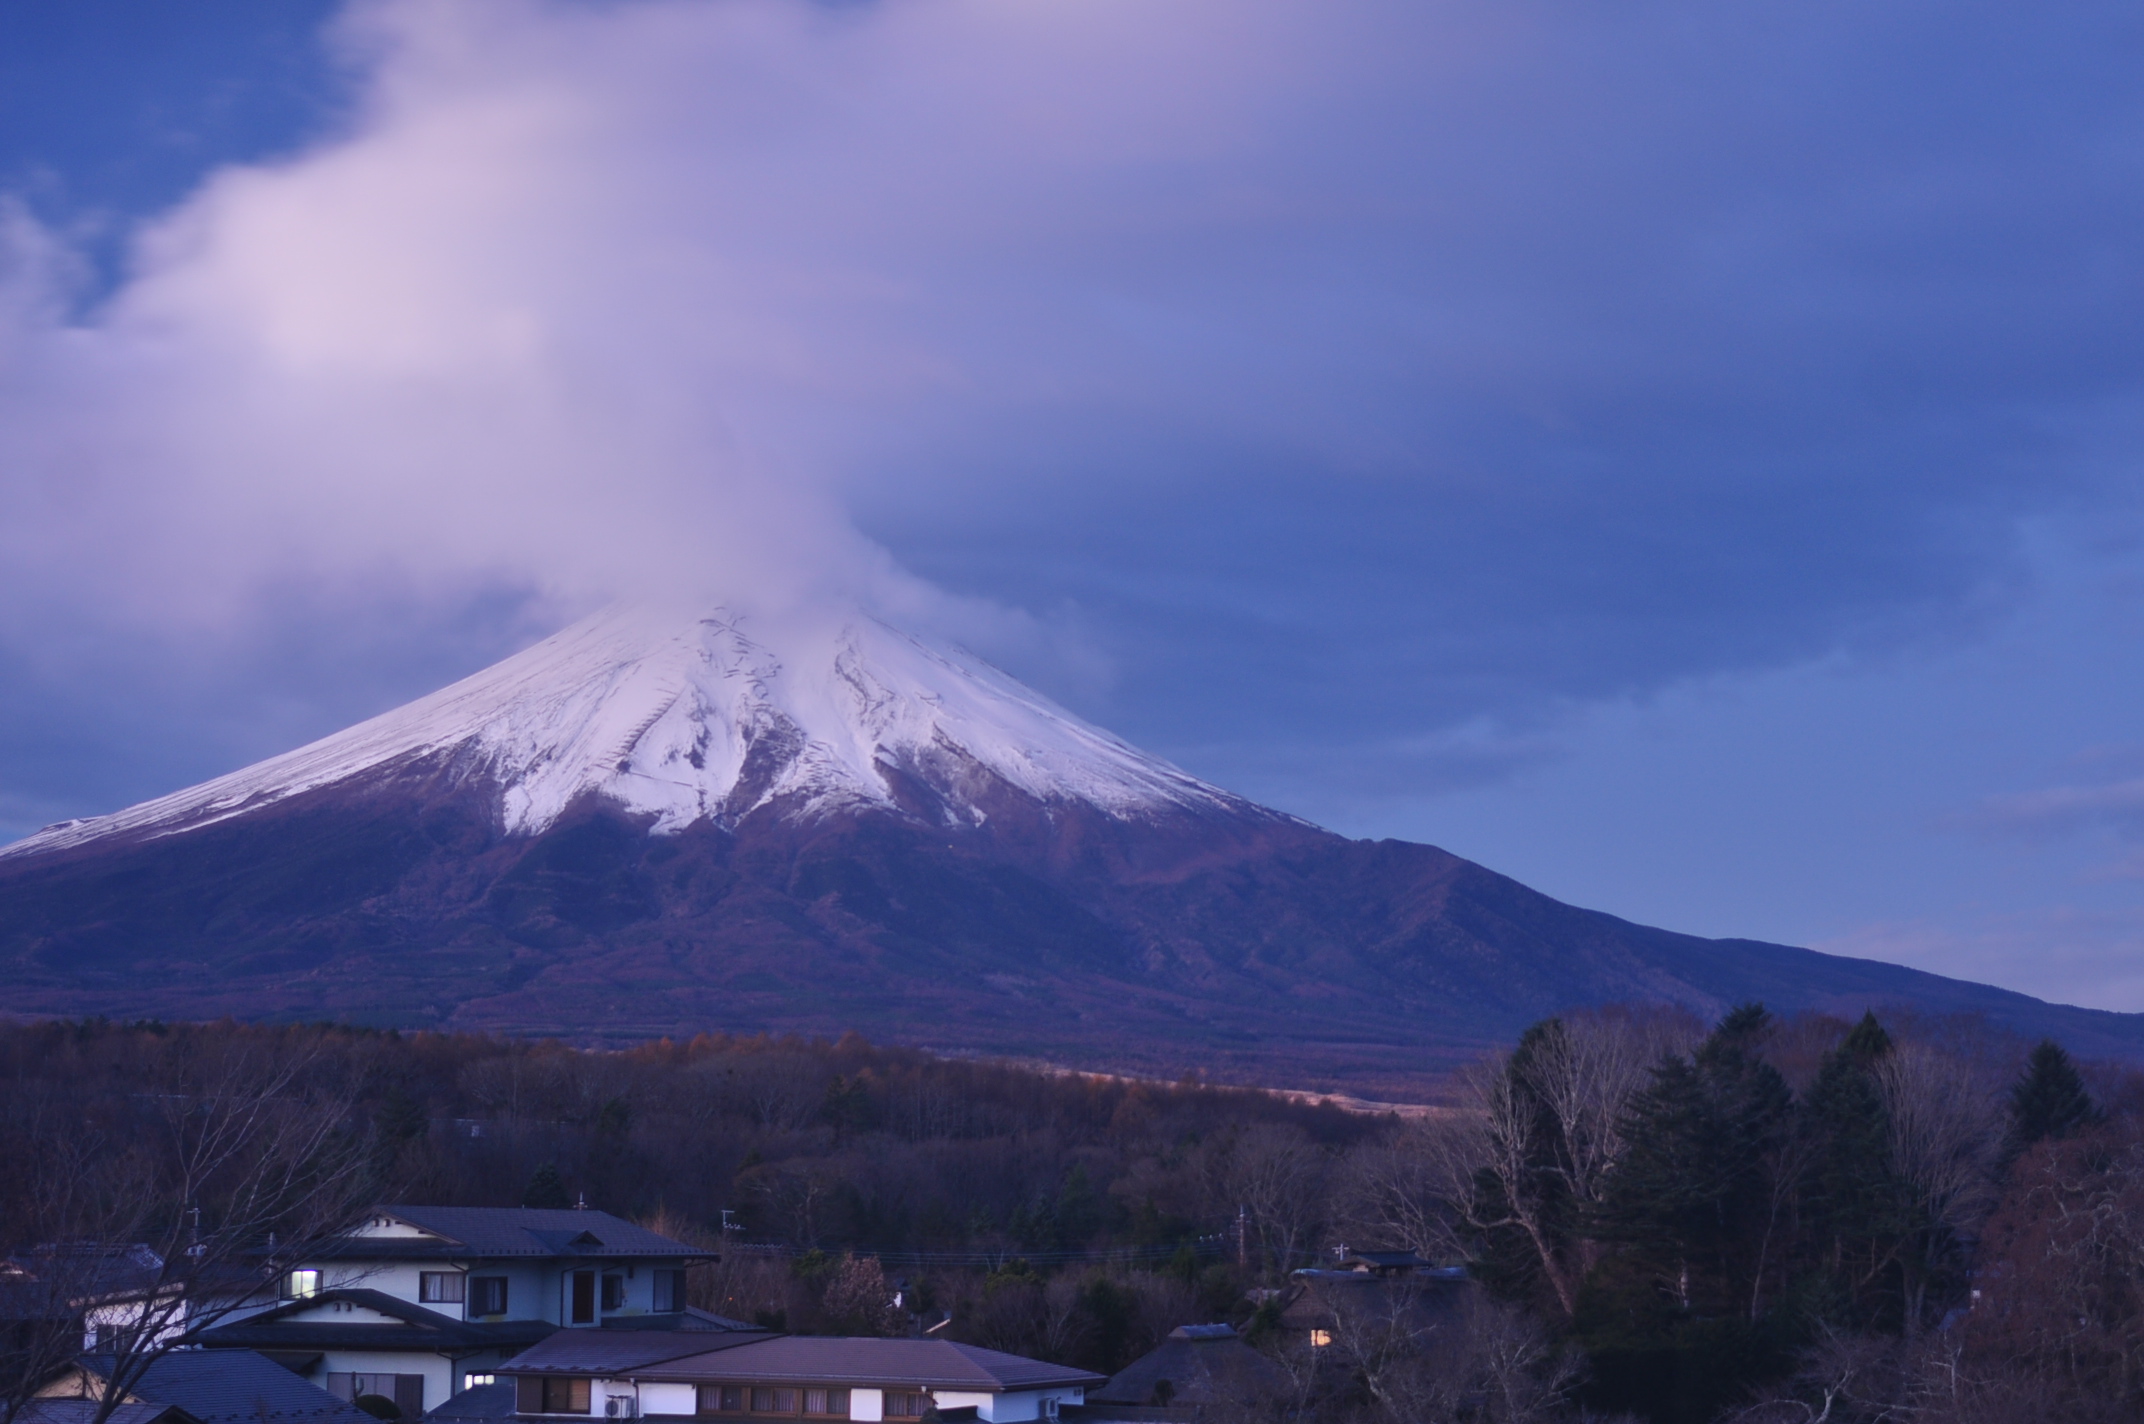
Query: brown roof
[617, 1352]
[806, 1359]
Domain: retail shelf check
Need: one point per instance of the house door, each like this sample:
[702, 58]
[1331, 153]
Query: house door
[584, 1298]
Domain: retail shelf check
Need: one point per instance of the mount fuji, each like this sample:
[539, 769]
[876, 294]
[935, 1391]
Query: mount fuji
[653, 824]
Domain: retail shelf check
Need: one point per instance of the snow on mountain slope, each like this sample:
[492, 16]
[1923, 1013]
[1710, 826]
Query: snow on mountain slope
[688, 718]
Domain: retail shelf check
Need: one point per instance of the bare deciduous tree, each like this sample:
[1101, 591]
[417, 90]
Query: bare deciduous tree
[1944, 1139]
[1276, 1173]
[168, 1221]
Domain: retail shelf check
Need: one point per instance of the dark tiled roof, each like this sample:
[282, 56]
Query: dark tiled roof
[1204, 1364]
[492, 1233]
[690, 1318]
[477, 1405]
[608, 1352]
[811, 1359]
[415, 1328]
[232, 1386]
[81, 1411]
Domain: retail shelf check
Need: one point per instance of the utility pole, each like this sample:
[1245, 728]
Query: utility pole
[1243, 1237]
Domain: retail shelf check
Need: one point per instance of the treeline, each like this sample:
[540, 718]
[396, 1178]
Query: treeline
[1804, 1220]
[1912, 1220]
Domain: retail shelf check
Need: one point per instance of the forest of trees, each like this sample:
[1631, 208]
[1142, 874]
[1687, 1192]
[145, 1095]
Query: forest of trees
[1762, 1220]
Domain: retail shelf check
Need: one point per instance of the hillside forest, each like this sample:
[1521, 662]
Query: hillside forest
[1758, 1220]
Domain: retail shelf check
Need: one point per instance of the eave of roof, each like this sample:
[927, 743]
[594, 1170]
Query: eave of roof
[800, 1359]
[414, 1328]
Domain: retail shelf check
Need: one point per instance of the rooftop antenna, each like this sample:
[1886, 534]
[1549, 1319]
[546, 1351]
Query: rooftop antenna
[580, 1201]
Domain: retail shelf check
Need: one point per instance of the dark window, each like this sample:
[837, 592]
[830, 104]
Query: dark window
[584, 1298]
[487, 1295]
[614, 1292]
[551, 1394]
[405, 1392]
[906, 1404]
[774, 1401]
[440, 1287]
[832, 1403]
[669, 1291]
[721, 1399]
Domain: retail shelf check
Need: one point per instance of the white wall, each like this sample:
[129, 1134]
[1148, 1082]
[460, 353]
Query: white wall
[669, 1399]
[1012, 1405]
[441, 1375]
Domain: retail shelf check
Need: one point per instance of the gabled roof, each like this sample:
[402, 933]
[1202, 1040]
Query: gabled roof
[478, 1404]
[410, 1327]
[1203, 1364]
[90, 1271]
[233, 1387]
[798, 1359]
[460, 1233]
[613, 1352]
[81, 1411]
[690, 1318]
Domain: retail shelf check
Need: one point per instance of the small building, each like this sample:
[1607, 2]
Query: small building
[421, 1302]
[1200, 1372]
[100, 1290]
[1317, 1301]
[211, 1387]
[633, 1375]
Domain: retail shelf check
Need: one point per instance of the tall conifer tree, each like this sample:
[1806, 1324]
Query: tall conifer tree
[2049, 1100]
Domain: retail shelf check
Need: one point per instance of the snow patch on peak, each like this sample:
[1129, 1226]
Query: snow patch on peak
[690, 719]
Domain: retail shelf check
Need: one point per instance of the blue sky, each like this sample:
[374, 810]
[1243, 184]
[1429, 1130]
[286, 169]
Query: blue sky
[1683, 457]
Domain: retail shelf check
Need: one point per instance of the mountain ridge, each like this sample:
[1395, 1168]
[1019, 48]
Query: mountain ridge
[967, 868]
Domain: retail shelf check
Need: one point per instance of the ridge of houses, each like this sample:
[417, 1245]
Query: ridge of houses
[476, 1315]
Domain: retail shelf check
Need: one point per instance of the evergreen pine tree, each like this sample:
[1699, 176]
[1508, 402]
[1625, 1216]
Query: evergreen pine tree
[1693, 1196]
[2048, 1100]
[1678, 1320]
[1851, 1204]
[546, 1189]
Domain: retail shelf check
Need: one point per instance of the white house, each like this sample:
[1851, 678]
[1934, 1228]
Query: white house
[640, 1375]
[421, 1302]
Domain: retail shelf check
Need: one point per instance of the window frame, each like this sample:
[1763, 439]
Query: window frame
[478, 1289]
[539, 1394]
[708, 1400]
[433, 1287]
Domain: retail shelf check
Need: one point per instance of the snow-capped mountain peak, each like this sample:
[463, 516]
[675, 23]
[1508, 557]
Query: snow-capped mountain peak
[690, 719]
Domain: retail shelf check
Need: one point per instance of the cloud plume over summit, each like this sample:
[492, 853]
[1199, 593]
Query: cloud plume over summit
[1379, 386]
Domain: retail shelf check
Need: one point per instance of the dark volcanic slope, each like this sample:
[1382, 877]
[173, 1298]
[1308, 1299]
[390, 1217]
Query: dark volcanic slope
[1260, 949]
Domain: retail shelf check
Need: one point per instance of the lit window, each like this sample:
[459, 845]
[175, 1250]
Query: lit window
[472, 1381]
[301, 1285]
[1319, 1339]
